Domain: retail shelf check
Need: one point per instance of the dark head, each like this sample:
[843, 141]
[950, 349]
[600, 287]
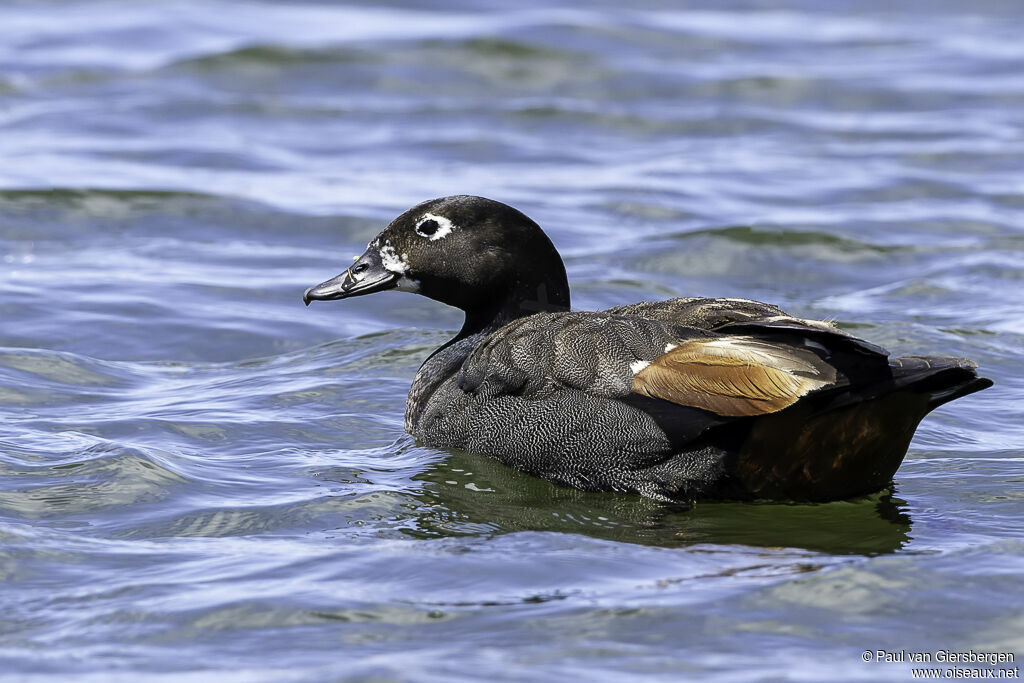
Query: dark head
[473, 253]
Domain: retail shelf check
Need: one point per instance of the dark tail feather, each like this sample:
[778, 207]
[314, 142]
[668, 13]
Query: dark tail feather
[943, 379]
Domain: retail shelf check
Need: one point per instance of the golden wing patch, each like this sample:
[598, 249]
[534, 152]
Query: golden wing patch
[734, 376]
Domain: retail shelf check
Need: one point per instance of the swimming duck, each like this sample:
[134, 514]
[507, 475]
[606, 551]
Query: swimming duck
[685, 399]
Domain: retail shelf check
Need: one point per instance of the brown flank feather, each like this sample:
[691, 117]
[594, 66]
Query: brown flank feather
[734, 377]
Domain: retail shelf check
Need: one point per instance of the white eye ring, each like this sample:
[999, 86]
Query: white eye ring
[442, 229]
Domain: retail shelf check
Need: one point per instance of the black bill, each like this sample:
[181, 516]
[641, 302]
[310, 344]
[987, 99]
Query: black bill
[366, 276]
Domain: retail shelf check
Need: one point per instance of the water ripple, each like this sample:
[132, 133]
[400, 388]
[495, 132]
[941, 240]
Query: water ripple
[201, 477]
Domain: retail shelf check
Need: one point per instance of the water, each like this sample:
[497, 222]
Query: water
[202, 479]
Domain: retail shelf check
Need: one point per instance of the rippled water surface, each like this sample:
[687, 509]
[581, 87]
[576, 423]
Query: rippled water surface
[200, 476]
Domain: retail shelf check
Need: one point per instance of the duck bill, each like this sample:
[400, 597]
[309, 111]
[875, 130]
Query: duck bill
[366, 276]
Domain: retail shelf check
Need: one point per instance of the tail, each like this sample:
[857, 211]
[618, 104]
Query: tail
[850, 441]
[942, 379]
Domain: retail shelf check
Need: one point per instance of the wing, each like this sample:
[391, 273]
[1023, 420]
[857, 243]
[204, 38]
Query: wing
[699, 312]
[755, 361]
[734, 376]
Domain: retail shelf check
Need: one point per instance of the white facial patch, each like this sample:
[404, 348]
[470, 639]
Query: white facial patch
[392, 260]
[441, 226]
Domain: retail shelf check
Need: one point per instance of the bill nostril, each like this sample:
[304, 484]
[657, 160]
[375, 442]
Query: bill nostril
[359, 268]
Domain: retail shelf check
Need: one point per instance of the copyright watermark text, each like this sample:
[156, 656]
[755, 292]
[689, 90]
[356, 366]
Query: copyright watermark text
[951, 663]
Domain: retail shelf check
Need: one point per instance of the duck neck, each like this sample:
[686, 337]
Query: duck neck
[550, 296]
[525, 298]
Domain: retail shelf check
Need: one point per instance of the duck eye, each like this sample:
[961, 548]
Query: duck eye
[427, 227]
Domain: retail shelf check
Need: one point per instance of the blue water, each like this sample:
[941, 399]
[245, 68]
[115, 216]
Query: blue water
[201, 479]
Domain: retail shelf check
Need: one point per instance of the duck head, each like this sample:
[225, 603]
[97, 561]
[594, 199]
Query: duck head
[476, 254]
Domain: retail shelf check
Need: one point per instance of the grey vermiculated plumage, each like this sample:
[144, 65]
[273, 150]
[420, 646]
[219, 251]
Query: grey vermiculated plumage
[690, 398]
[566, 366]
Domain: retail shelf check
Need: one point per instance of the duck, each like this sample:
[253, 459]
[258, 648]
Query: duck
[685, 399]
